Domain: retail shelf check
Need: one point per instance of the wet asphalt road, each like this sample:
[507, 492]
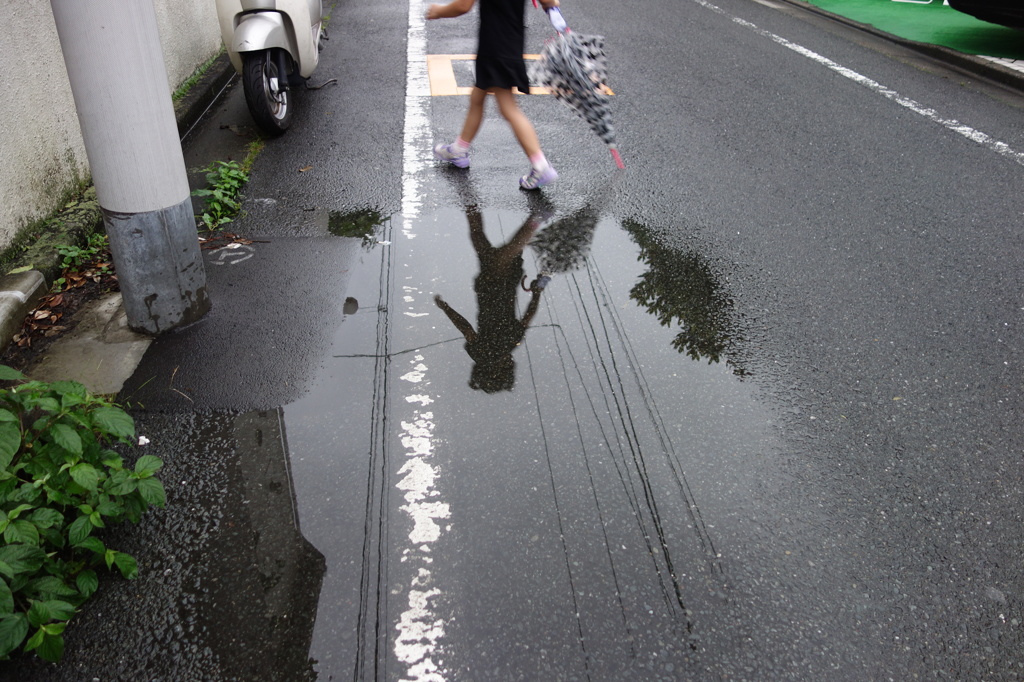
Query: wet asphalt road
[763, 423]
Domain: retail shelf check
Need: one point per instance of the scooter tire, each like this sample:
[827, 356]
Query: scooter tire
[272, 113]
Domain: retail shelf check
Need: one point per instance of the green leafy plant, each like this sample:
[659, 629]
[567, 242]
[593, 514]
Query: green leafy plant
[60, 485]
[223, 195]
[76, 257]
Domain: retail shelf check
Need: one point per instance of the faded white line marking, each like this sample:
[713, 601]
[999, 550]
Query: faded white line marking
[420, 630]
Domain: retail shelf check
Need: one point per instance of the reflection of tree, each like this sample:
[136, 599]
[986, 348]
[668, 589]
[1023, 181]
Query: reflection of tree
[360, 224]
[681, 288]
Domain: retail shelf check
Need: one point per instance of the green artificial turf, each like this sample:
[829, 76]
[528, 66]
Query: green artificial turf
[932, 23]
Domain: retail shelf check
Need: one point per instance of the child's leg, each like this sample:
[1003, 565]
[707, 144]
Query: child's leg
[521, 125]
[475, 115]
[457, 153]
[541, 173]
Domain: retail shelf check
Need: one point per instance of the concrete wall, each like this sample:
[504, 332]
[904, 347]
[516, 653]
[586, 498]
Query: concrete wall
[41, 150]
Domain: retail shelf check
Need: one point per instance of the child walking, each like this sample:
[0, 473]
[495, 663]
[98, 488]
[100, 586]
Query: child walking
[499, 68]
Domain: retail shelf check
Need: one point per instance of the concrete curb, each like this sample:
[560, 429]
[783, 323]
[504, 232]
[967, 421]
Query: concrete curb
[20, 293]
[966, 62]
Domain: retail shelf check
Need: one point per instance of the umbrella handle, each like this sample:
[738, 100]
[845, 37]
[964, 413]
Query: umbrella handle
[618, 159]
[557, 21]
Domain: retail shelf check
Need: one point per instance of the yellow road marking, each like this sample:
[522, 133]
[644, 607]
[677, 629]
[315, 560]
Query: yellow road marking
[441, 74]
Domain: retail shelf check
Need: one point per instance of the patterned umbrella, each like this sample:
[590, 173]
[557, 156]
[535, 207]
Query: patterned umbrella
[575, 68]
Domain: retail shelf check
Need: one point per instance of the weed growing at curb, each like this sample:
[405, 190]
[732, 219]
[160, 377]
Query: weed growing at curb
[74, 257]
[223, 196]
[60, 485]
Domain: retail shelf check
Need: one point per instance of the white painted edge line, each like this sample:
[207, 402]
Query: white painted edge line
[420, 630]
[416, 135]
[970, 133]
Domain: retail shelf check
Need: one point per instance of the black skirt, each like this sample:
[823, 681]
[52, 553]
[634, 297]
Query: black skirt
[499, 55]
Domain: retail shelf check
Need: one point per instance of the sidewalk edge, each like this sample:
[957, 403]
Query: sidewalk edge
[967, 62]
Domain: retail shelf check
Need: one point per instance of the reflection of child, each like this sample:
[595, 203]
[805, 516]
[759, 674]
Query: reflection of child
[499, 68]
[499, 330]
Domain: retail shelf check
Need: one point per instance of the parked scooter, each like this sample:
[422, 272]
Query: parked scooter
[275, 46]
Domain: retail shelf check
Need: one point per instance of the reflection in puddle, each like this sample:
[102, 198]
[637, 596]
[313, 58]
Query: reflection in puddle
[539, 526]
[361, 224]
[565, 244]
[681, 288]
[499, 329]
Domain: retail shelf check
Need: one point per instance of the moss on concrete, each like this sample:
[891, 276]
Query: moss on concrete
[36, 244]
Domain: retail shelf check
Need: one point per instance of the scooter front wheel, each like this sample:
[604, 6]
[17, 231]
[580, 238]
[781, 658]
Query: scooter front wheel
[270, 102]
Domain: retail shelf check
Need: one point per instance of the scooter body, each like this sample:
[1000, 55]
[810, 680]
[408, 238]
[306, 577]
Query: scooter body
[275, 46]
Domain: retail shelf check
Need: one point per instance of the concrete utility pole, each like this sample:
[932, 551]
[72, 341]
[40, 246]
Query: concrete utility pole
[119, 81]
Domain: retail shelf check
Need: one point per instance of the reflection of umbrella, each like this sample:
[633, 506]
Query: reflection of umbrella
[565, 244]
[575, 68]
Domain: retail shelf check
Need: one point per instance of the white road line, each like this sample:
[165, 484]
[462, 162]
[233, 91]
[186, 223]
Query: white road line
[420, 629]
[970, 133]
[416, 148]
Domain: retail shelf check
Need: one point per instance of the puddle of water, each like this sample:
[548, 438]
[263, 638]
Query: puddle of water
[509, 477]
[361, 224]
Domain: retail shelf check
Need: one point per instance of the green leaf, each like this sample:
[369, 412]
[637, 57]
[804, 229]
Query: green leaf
[93, 544]
[69, 400]
[50, 586]
[152, 491]
[22, 558]
[108, 507]
[114, 421]
[59, 610]
[10, 442]
[46, 517]
[148, 465]
[39, 614]
[49, 405]
[85, 475]
[51, 648]
[87, 582]
[53, 536]
[55, 628]
[12, 632]
[66, 437]
[79, 530]
[8, 374]
[120, 483]
[7, 416]
[97, 520]
[6, 599]
[126, 562]
[112, 460]
[16, 512]
[72, 388]
[35, 640]
[22, 531]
